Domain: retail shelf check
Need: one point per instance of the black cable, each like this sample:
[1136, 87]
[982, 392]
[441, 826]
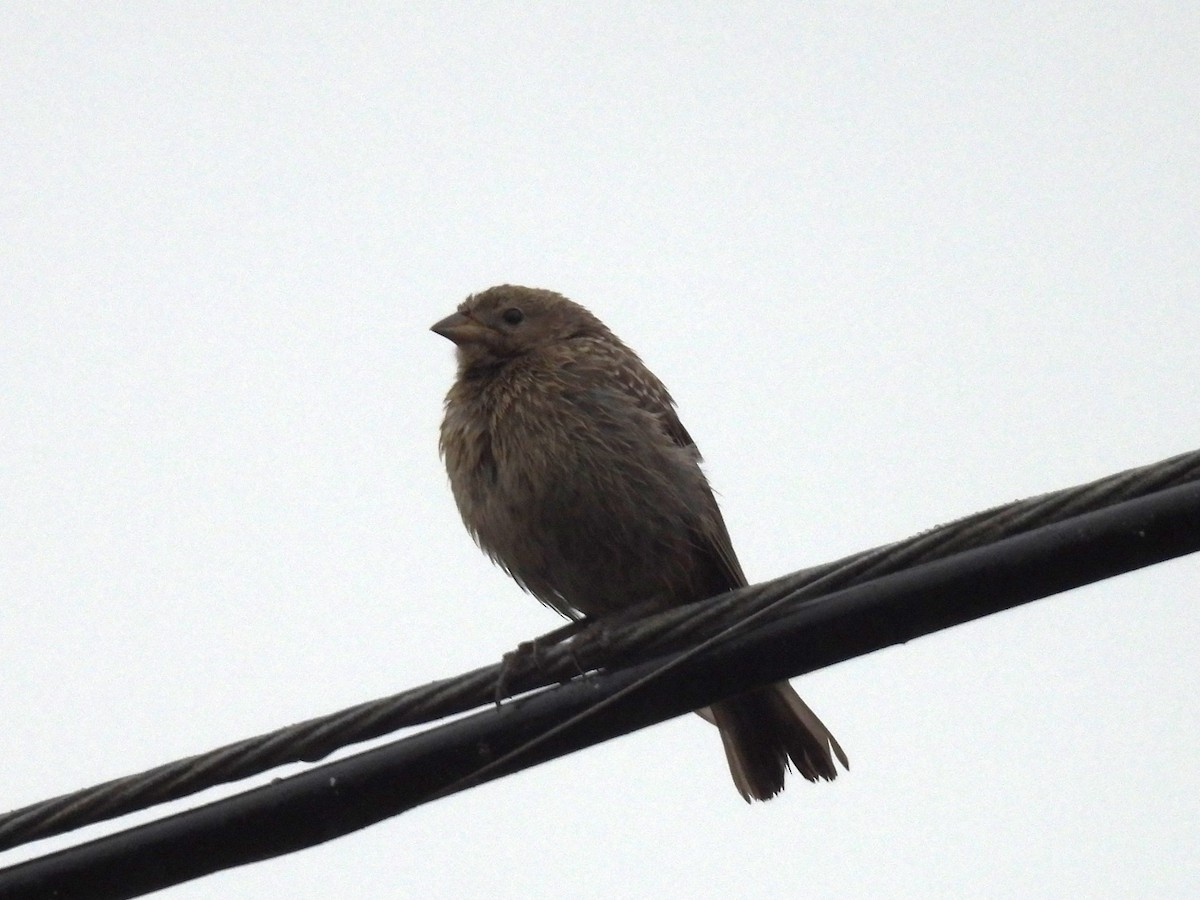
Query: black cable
[344, 796]
[687, 626]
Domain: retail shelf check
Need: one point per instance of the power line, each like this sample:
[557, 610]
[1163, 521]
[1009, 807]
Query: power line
[760, 634]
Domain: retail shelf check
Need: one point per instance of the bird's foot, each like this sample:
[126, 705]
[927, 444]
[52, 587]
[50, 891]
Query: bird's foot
[530, 656]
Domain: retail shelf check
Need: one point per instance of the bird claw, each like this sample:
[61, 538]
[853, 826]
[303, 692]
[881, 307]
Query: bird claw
[531, 656]
[513, 663]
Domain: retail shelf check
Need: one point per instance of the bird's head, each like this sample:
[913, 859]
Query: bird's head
[508, 321]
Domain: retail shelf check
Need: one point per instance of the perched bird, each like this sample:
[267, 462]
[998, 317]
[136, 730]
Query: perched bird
[572, 471]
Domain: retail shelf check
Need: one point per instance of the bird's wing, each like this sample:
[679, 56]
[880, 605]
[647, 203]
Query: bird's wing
[637, 382]
[715, 537]
[622, 366]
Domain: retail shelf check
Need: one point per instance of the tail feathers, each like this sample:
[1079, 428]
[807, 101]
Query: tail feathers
[763, 730]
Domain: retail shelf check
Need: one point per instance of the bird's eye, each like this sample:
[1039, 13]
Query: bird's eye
[513, 316]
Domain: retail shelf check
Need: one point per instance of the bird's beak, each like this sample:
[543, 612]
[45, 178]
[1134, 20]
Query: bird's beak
[460, 328]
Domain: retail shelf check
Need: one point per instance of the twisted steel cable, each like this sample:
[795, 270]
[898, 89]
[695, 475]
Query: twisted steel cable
[594, 647]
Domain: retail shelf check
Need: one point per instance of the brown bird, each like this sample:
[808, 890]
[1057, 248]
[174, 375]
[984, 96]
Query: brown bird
[572, 471]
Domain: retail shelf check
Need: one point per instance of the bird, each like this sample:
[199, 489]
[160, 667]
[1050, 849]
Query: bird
[572, 471]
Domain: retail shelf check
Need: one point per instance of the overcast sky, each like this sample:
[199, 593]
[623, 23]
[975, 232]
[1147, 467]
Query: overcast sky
[897, 263]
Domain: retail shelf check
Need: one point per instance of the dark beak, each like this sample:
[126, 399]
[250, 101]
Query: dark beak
[460, 328]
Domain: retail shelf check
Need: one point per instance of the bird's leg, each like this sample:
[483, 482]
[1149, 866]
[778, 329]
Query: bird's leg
[529, 654]
[596, 639]
[601, 634]
[593, 632]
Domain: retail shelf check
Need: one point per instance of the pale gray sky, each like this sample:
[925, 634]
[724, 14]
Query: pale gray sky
[897, 263]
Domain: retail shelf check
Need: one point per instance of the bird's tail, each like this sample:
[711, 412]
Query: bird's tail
[765, 728]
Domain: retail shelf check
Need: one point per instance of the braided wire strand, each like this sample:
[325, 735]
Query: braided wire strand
[596, 646]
